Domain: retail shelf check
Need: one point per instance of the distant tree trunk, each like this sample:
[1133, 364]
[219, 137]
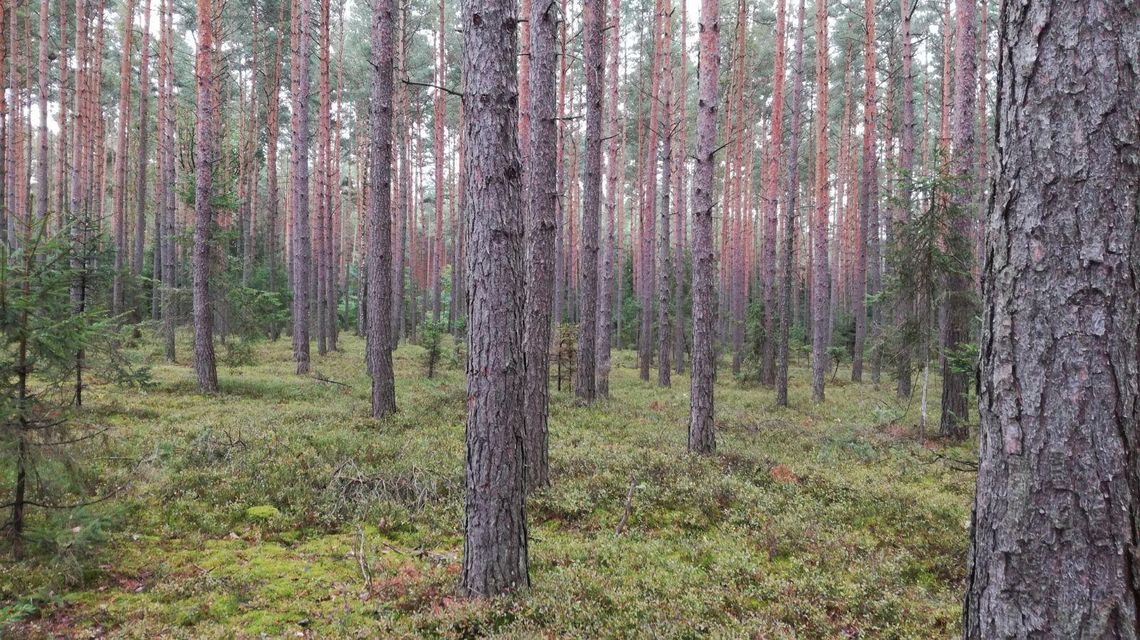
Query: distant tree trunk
[649, 205]
[144, 150]
[702, 438]
[679, 155]
[664, 269]
[166, 178]
[400, 241]
[542, 200]
[1053, 541]
[302, 247]
[273, 131]
[959, 282]
[495, 528]
[821, 288]
[42, 153]
[379, 260]
[323, 227]
[904, 305]
[613, 174]
[205, 160]
[438, 118]
[790, 203]
[593, 61]
[771, 200]
[119, 186]
[867, 259]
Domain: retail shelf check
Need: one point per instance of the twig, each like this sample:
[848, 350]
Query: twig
[321, 378]
[432, 86]
[628, 506]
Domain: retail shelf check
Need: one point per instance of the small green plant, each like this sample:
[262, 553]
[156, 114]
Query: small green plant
[431, 339]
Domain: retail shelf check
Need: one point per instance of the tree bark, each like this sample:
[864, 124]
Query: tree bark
[379, 260]
[702, 437]
[959, 282]
[593, 67]
[905, 303]
[1053, 541]
[790, 203]
[119, 186]
[664, 268]
[205, 148]
[495, 528]
[821, 287]
[144, 150]
[542, 201]
[302, 246]
[614, 172]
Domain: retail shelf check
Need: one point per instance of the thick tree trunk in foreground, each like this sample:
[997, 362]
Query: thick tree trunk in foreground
[702, 438]
[301, 241]
[495, 532]
[593, 66]
[542, 199]
[1053, 543]
[205, 150]
[959, 283]
[379, 261]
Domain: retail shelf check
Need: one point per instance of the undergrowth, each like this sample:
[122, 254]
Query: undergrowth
[278, 508]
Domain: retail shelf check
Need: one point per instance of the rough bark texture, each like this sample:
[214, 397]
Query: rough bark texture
[1054, 537]
[438, 116]
[205, 147]
[379, 261]
[593, 67]
[679, 155]
[542, 200]
[302, 246]
[495, 531]
[167, 181]
[613, 174]
[821, 287]
[702, 437]
[959, 283]
[770, 204]
[790, 202]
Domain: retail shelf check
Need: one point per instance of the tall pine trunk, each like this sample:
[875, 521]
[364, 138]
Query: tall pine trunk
[379, 259]
[702, 437]
[301, 241]
[542, 200]
[614, 172]
[495, 528]
[593, 66]
[1053, 541]
[821, 288]
[205, 162]
[790, 204]
[959, 282]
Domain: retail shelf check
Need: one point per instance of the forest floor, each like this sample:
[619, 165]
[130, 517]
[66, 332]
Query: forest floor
[279, 509]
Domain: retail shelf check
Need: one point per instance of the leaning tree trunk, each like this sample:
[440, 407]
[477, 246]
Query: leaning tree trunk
[495, 533]
[702, 438]
[959, 299]
[205, 146]
[379, 259]
[542, 199]
[1054, 542]
[593, 65]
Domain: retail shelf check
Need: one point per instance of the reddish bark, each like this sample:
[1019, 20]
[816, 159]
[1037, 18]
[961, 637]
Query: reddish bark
[702, 437]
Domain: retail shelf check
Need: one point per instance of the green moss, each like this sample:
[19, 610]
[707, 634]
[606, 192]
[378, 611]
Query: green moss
[261, 506]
